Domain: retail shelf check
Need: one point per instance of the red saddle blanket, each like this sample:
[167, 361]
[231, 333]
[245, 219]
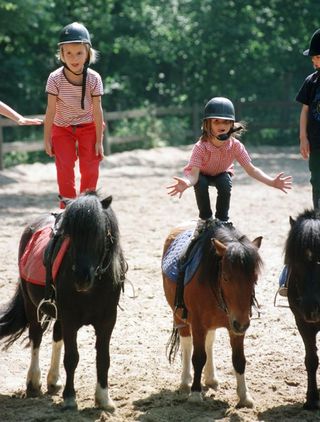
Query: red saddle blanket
[31, 266]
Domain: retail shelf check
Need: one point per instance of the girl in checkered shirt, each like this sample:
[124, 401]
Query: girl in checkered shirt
[211, 164]
[73, 125]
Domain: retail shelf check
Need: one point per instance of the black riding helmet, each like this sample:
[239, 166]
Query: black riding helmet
[314, 47]
[221, 108]
[76, 33]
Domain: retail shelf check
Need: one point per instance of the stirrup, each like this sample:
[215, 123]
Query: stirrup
[45, 320]
[275, 300]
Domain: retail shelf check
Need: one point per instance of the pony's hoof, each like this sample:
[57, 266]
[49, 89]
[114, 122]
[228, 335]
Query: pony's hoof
[107, 405]
[195, 397]
[246, 402]
[312, 405]
[70, 404]
[214, 384]
[33, 391]
[184, 389]
[54, 388]
[103, 400]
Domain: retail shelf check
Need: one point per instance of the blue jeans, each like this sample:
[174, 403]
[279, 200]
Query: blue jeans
[223, 184]
[283, 276]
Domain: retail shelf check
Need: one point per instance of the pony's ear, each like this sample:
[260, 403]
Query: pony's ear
[257, 241]
[291, 221]
[106, 202]
[219, 246]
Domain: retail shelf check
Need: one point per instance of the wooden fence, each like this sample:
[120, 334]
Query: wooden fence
[285, 112]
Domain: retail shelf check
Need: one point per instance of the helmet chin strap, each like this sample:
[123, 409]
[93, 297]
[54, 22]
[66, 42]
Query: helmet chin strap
[225, 136]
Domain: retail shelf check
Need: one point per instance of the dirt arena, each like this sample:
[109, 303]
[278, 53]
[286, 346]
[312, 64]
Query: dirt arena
[142, 383]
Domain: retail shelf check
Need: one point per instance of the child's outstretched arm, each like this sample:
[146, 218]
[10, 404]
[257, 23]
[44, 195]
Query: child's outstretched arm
[280, 181]
[7, 111]
[183, 183]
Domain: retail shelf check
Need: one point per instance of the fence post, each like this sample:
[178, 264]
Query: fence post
[106, 141]
[1, 149]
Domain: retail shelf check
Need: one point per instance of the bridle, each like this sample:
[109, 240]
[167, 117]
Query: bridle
[218, 293]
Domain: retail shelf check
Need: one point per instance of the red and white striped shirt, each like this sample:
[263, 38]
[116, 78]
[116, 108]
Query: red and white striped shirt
[212, 160]
[68, 106]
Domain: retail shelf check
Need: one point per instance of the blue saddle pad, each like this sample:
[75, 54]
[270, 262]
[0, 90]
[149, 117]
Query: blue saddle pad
[171, 265]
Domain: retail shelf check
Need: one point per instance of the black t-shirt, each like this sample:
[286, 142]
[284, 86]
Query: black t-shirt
[309, 95]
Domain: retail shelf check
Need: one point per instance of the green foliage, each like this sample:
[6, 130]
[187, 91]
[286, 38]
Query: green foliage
[164, 53]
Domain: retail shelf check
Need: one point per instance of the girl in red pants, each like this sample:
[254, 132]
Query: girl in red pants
[73, 125]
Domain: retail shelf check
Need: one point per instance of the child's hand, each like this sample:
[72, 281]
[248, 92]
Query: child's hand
[283, 183]
[48, 148]
[23, 121]
[179, 187]
[99, 149]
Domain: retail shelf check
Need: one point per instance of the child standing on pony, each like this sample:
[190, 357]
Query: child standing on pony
[211, 164]
[73, 125]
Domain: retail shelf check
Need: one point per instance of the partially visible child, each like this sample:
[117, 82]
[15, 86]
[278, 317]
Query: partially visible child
[211, 164]
[73, 126]
[8, 112]
[309, 97]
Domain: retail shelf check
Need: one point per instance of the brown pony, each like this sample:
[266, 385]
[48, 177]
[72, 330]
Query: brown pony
[220, 294]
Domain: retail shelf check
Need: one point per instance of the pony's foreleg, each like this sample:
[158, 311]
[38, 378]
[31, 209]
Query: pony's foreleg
[210, 377]
[198, 361]
[186, 352]
[308, 333]
[239, 364]
[53, 378]
[71, 359]
[102, 396]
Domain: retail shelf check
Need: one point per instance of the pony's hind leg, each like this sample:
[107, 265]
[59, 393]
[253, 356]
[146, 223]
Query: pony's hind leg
[239, 364]
[186, 353]
[53, 379]
[34, 373]
[209, 371]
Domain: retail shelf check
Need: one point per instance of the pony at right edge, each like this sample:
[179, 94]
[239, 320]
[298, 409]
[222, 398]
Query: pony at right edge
[302, 258]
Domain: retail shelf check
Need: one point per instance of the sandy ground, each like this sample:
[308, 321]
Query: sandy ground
[142, 383]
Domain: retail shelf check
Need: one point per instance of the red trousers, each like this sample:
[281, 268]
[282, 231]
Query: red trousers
[70, 143]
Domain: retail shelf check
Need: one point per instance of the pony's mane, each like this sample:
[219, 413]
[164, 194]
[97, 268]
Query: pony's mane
[304, 235]
[88, 223]
[241, 252]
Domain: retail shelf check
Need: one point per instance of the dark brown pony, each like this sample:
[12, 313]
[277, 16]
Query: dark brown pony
[88, 286]
[220, 294]
[302, 257]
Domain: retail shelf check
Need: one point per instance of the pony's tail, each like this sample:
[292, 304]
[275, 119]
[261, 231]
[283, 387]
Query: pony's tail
[13, 319]
[173, 345]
